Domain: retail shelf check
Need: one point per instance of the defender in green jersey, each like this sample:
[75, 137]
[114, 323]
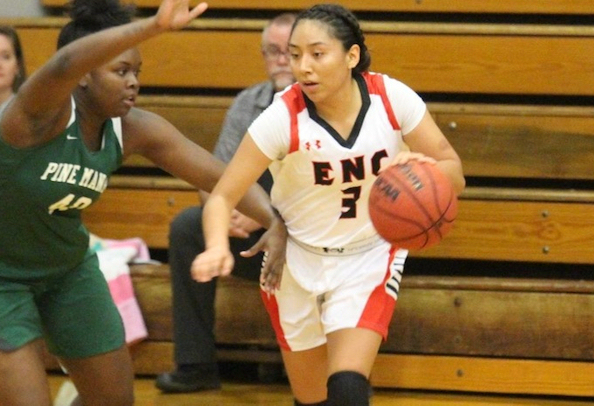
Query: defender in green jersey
[70, 125]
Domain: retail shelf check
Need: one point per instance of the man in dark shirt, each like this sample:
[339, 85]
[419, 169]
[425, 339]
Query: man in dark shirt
[193, 302]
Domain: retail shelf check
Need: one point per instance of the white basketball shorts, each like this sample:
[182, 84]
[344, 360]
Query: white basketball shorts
[321, 293]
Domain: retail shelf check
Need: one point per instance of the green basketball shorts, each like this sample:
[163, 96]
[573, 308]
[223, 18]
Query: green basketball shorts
[73, 311]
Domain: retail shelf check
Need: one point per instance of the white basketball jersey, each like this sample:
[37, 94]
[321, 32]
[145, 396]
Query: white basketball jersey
[322, 181]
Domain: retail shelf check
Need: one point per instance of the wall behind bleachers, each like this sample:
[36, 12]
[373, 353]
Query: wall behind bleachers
[433, 6]
[21, 8]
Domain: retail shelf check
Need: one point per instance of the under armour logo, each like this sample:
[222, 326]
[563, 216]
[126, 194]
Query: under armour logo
[317, 144]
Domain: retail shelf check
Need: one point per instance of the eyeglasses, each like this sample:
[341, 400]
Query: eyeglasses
[273, 53]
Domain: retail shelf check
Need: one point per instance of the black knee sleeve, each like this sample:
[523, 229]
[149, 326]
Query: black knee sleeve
[348, 388]
[323, 403]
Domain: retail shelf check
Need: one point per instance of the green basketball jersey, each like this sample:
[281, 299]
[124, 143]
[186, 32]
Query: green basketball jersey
[43, 190]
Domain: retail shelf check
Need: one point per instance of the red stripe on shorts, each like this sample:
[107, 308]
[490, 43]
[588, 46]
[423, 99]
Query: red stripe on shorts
[380, 306]
[272, 308]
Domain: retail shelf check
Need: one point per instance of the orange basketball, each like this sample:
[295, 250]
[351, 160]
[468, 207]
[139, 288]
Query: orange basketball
[412, 206]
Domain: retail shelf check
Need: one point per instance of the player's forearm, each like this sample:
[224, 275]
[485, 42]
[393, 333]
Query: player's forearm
[452, 168]
[216, 217]
[256, 205]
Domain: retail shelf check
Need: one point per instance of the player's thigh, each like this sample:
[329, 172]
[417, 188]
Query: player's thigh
[23, 380]
[307, 373]
[105, 379]
[295, 316]
[367, 298]
[352, 349]
[79, 316]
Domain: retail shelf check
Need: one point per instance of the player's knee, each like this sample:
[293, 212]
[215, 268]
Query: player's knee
[348, 388]
[112, 398]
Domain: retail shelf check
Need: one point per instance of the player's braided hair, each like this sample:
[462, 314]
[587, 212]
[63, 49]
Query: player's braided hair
[345, 28]
[90, 16]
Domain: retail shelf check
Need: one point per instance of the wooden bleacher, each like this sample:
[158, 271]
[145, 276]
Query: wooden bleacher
[426, 6]
[456, 58]
[505, 303]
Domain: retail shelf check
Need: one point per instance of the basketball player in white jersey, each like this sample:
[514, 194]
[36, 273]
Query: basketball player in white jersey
[325, 140]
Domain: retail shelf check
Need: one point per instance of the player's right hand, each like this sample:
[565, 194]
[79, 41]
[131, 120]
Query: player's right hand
[215, 261]
[274, 244]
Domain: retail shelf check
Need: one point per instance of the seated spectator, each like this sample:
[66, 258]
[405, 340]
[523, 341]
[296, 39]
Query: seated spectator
[193, 302]
[12, 64]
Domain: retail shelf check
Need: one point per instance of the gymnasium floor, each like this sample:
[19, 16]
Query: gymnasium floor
[242, 388]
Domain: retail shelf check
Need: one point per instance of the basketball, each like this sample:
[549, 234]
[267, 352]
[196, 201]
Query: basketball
[412, 206]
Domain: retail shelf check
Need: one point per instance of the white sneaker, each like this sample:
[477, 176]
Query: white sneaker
[66, 394]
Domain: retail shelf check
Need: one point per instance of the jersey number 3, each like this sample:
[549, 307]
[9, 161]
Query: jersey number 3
[349, 202]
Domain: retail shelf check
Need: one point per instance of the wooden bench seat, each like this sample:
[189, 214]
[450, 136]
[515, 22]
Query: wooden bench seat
[449, 333]
[137, 211]
[461, 316]
[490, 224]
[430, 57]
[492, 139]
[426, 6]
[520, 141]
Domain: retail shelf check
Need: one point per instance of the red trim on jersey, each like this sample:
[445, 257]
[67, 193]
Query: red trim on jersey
[271, 306]
[380, 305]
[375, 84]
[295, 102]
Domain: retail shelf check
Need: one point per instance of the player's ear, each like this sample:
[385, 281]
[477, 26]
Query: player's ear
[353, 55]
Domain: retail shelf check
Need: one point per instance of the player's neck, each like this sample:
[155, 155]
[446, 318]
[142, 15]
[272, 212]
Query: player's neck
[342, 110]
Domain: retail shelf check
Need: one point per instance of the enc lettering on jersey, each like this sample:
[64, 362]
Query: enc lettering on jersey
[351, 168]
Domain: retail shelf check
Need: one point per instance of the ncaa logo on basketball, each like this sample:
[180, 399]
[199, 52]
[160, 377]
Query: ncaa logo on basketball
[386, 189]
[416, 183]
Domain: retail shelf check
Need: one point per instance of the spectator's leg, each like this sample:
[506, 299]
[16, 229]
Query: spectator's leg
[249, 268]
[193, 311]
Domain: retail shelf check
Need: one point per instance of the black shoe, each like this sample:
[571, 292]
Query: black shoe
[179, 382]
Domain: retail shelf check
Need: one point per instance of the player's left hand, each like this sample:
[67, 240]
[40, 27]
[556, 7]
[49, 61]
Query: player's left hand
[176, 14]
[274, 244]
[405, 156]
[242, 226]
